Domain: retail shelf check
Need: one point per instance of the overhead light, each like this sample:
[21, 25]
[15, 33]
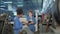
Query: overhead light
[20, 5]
[8, 2]
[20, 2]
[2, 6]
[2, 9]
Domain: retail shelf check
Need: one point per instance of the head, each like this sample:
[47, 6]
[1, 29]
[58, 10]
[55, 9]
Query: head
[30, 12]
[19, 12]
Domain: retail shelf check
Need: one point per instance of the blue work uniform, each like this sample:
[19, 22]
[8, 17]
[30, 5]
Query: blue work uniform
[17, 25]
[31, 26]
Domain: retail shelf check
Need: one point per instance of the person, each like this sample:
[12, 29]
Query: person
[31, 21]
[17, 23]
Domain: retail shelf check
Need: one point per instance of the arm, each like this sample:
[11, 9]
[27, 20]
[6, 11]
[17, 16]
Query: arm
[34, 21]
[17, 24]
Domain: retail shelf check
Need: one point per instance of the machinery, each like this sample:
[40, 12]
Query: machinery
[57, 13]
[5, 28]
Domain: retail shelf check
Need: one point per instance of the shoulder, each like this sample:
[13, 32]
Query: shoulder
[15, 18]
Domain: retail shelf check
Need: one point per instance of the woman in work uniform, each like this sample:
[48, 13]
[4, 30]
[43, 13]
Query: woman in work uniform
[17, 23]
[31, 21]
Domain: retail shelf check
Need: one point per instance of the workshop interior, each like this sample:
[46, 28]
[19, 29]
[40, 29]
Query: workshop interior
[29, 16]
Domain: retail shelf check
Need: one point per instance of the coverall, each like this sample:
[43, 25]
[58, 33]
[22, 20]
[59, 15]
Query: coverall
[17, 25]
[31, 26]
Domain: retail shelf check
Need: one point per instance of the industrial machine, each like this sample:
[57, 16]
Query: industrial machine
[57, 13]
[5, 28]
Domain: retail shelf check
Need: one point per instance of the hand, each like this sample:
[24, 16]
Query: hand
[31, 22]
[24, 22]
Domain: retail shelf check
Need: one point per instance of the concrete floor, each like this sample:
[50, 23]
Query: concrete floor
[43, 30]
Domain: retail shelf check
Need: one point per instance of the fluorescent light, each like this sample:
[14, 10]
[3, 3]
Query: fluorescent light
[2, 6]
[8, 2]
[20, 2]
[20, 5]
[2, 9]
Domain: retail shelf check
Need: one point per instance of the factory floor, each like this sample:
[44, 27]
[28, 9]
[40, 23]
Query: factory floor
[43, 30]
[51, 30]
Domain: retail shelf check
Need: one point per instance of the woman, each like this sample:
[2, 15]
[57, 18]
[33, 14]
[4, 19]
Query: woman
[31, 21]
[17, 23]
